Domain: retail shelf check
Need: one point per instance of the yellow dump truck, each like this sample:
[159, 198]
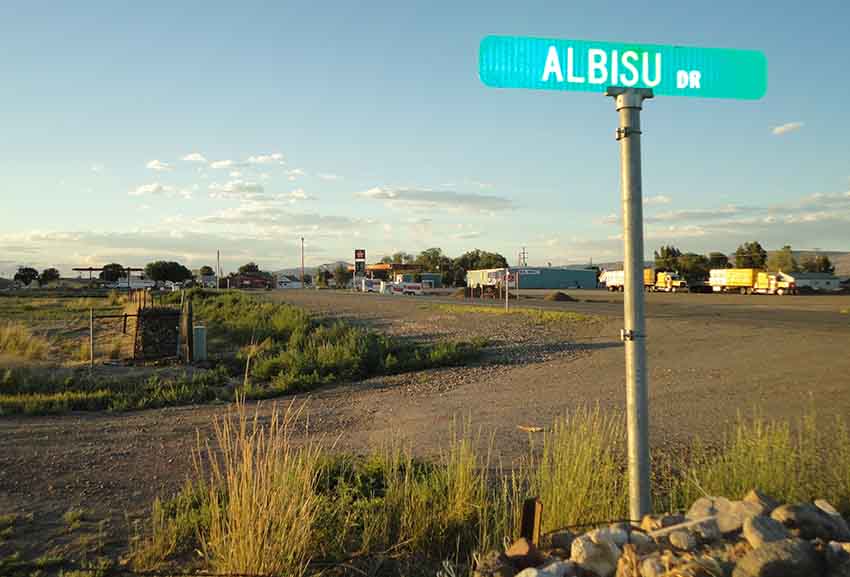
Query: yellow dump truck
[670, 282]
[615, 280]
[750, 281]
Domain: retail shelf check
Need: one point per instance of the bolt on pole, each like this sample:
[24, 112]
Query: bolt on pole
[629, 102]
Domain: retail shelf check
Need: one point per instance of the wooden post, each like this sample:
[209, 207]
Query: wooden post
[91, 337]
[124, 331]
[532, 513]
[190, 333]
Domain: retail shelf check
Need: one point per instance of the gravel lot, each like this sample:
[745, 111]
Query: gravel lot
[710, 358]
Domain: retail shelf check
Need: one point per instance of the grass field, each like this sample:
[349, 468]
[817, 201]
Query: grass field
[259, 349]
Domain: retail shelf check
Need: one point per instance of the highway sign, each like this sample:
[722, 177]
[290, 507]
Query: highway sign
[590, 66]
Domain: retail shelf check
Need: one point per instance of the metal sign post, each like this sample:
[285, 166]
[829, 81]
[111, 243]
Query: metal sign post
[628, 103]
[630, 73]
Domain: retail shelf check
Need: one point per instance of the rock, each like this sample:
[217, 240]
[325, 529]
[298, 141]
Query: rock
[730, 514]
[841, 528]
[787, 558]
[654, 522]
[708, 506]
[494, 564]
[683, 540]
[708, 531]
[806, 521]
[651, 567]
[643, 543]
[759, 530]
[601, 558]
[766, 503]
[731, 519]
[555, 569]
[616, 535]
[562, 539]
[523, 554]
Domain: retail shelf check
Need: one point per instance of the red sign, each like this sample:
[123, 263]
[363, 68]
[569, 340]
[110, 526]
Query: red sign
[360, 254]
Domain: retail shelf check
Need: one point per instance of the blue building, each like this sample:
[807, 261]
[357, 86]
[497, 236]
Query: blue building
[535, 277]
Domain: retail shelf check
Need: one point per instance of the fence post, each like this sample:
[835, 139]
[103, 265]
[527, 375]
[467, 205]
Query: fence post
[91, 337]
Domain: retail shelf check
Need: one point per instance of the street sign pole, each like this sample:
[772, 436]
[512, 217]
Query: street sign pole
[629, 102]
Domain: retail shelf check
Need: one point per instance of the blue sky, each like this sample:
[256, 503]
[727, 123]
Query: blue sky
[140, 131]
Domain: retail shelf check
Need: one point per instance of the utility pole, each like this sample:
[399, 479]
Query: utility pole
[218, 269]
[629, 102]
[302, 262]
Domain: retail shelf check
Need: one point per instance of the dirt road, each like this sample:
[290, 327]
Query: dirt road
[710, 357]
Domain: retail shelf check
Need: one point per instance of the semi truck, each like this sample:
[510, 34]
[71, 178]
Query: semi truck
[670, 282]
[615, 280]
[747, 281]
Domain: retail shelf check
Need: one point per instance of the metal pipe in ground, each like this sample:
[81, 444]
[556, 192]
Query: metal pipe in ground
[629, 102]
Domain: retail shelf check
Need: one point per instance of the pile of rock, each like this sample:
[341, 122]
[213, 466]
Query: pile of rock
[753, 537]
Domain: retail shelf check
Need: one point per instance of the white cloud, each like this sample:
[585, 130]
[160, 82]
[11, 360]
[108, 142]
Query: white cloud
[466, 235]
[657, 199]
[294, 173]
[221, 164]
[274, 158]
[235, 174]
[158, 189]
[438, 199]
[296, 195]
[786, 128]
[195, 157]
[236, 189]
[97, 167]
[158, 165]
[328, 176]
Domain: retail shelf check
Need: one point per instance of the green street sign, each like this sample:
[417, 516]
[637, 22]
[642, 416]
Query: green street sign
[589, 66]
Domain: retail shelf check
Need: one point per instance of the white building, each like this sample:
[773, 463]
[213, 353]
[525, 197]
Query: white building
[287, 282]
[817, 281]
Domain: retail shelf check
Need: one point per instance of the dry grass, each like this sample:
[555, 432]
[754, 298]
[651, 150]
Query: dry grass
[262, 499]
[17, 340]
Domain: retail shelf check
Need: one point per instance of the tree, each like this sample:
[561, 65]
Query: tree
[341, 275]
[476, 259]
[433, 260]
[250, 268]
[387, 260]
[718, 260]
[402, 258]
[26, 275]
[820, 263]
[667, 258]
[693, 267]
[750, 255]
[112, 272]
[48, 275]
[322, 277]
[162, 271]
[782, 260]
[206, 271]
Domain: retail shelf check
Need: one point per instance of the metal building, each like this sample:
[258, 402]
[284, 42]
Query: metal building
[535, 277]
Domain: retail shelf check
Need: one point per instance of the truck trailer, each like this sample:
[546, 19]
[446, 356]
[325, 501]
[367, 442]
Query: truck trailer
[747, 281]
[615, 280]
